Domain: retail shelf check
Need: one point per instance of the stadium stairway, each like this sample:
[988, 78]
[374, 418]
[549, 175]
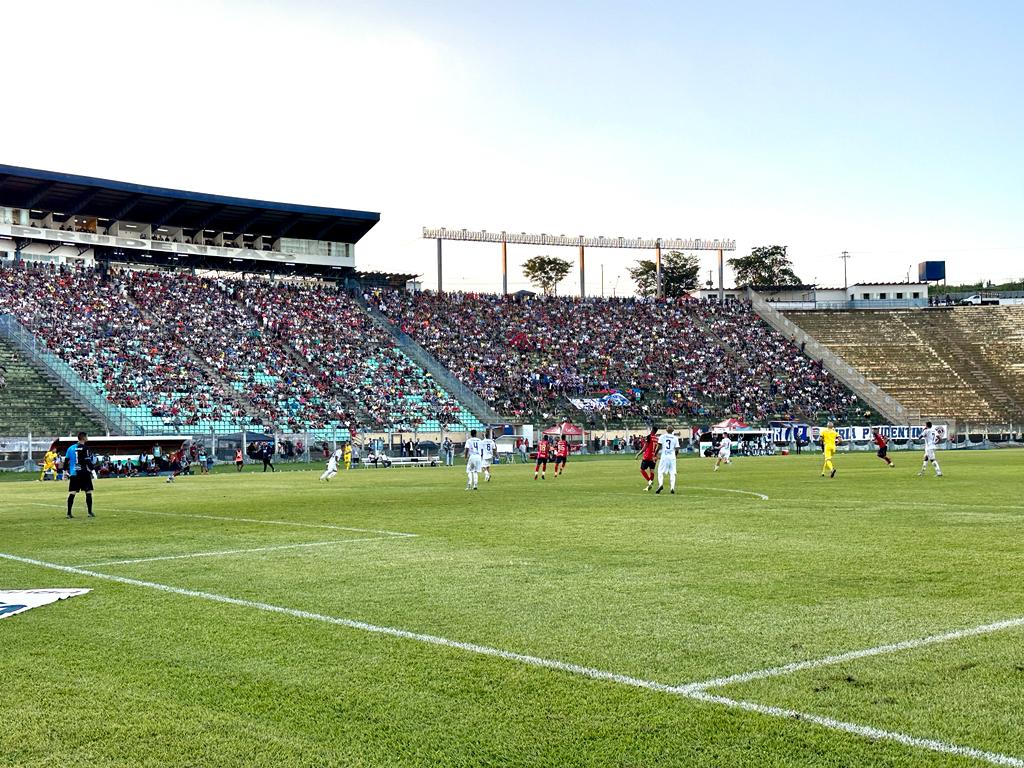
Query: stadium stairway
[468, 399]
[964, 363]
[31, 402]
[883, 403]
[736, 354]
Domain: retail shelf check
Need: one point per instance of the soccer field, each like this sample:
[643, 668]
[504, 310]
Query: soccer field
[762, 616]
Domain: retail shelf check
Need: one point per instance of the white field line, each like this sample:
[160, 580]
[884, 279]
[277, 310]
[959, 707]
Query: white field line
[966, 506]
[353, 624]
[687, 692]
[723, 490]
[225, 552]
[865, 731]
[245, 520]
[878, 650]
[910, 503]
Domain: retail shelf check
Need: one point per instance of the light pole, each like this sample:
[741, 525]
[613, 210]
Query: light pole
[845, 257]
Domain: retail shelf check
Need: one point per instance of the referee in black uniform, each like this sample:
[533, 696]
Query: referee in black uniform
[79, 466]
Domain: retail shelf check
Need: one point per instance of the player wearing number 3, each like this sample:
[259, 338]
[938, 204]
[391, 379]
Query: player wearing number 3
[669, 444]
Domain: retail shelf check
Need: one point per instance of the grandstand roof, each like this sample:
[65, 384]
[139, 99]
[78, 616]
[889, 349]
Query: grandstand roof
[119, 200]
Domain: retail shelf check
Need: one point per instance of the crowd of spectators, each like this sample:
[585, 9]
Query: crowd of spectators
[793, 384]
[334, 336]
[291, 356]
[242, 349]
[674, 358]
[286, 357]
[93, 326]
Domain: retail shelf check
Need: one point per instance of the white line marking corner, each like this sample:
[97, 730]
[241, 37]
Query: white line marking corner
[687, 691]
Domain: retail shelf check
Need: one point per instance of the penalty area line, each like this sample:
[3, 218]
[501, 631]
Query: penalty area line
[228, 519]
[226, 552]
[864, 731]
[685, 692]
[840, 658]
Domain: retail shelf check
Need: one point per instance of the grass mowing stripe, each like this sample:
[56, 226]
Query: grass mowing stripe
[878, 650]
[234, 551]
[243, 520]
[484, 650]
[865, 731]
[688, 692]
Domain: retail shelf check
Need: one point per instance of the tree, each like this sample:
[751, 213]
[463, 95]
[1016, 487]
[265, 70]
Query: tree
[679, 272]
[546, 272]
[766, 265]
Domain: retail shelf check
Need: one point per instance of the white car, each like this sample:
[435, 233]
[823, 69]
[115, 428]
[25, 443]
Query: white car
[977, 299]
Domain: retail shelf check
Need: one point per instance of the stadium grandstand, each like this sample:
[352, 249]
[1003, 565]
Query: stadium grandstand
[155, 311]
[954, 363]
[688, 360]
[193, 313]
[188, 312]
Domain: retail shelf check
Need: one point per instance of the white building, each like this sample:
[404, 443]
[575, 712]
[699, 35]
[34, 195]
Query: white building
[877, 295]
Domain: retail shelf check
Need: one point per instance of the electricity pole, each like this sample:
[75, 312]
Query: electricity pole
[845, 257]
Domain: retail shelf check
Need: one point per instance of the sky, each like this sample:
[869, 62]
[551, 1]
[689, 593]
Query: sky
[889, 130]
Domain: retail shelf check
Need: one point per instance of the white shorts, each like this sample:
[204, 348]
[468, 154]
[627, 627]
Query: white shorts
[929, 454]
[667, 465]
[723, 454]
[474, 464]
[487, 462]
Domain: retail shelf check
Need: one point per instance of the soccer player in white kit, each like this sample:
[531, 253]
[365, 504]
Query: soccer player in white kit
[931, 438]
[332, 465]
[490, 449]
[669, 443]
[724, 451]
[474, 454]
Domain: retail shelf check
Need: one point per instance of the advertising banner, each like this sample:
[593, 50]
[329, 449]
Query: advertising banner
[15, 601]
[784, 432]
[615, 399]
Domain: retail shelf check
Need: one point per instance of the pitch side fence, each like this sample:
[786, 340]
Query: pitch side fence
[25, 452]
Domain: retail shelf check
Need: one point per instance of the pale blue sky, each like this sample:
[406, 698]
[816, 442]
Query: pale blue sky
[889, 130]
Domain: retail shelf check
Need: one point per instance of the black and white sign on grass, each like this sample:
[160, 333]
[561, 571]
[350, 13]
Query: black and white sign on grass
[15, 601]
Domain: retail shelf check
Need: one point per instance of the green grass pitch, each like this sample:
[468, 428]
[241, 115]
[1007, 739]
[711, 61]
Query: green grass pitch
[606, 601]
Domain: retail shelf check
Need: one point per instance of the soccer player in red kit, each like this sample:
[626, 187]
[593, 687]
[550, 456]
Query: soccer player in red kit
[543, 450]
[883, 446]
[646, 456]
[561, 454]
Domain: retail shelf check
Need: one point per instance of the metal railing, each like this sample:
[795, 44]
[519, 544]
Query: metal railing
[470, 399]
[811, 304]
[113, 417]
[871, 393]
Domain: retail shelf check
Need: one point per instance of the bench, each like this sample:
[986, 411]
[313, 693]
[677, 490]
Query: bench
[402, 461]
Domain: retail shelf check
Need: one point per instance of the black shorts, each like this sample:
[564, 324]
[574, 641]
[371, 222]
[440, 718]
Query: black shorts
[882, 452]
[559, 459]
[647, 464]
[80, 481]
[542, 461]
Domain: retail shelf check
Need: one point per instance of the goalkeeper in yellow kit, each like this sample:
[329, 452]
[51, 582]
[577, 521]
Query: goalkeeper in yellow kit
[829, 438]
[49, 464]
